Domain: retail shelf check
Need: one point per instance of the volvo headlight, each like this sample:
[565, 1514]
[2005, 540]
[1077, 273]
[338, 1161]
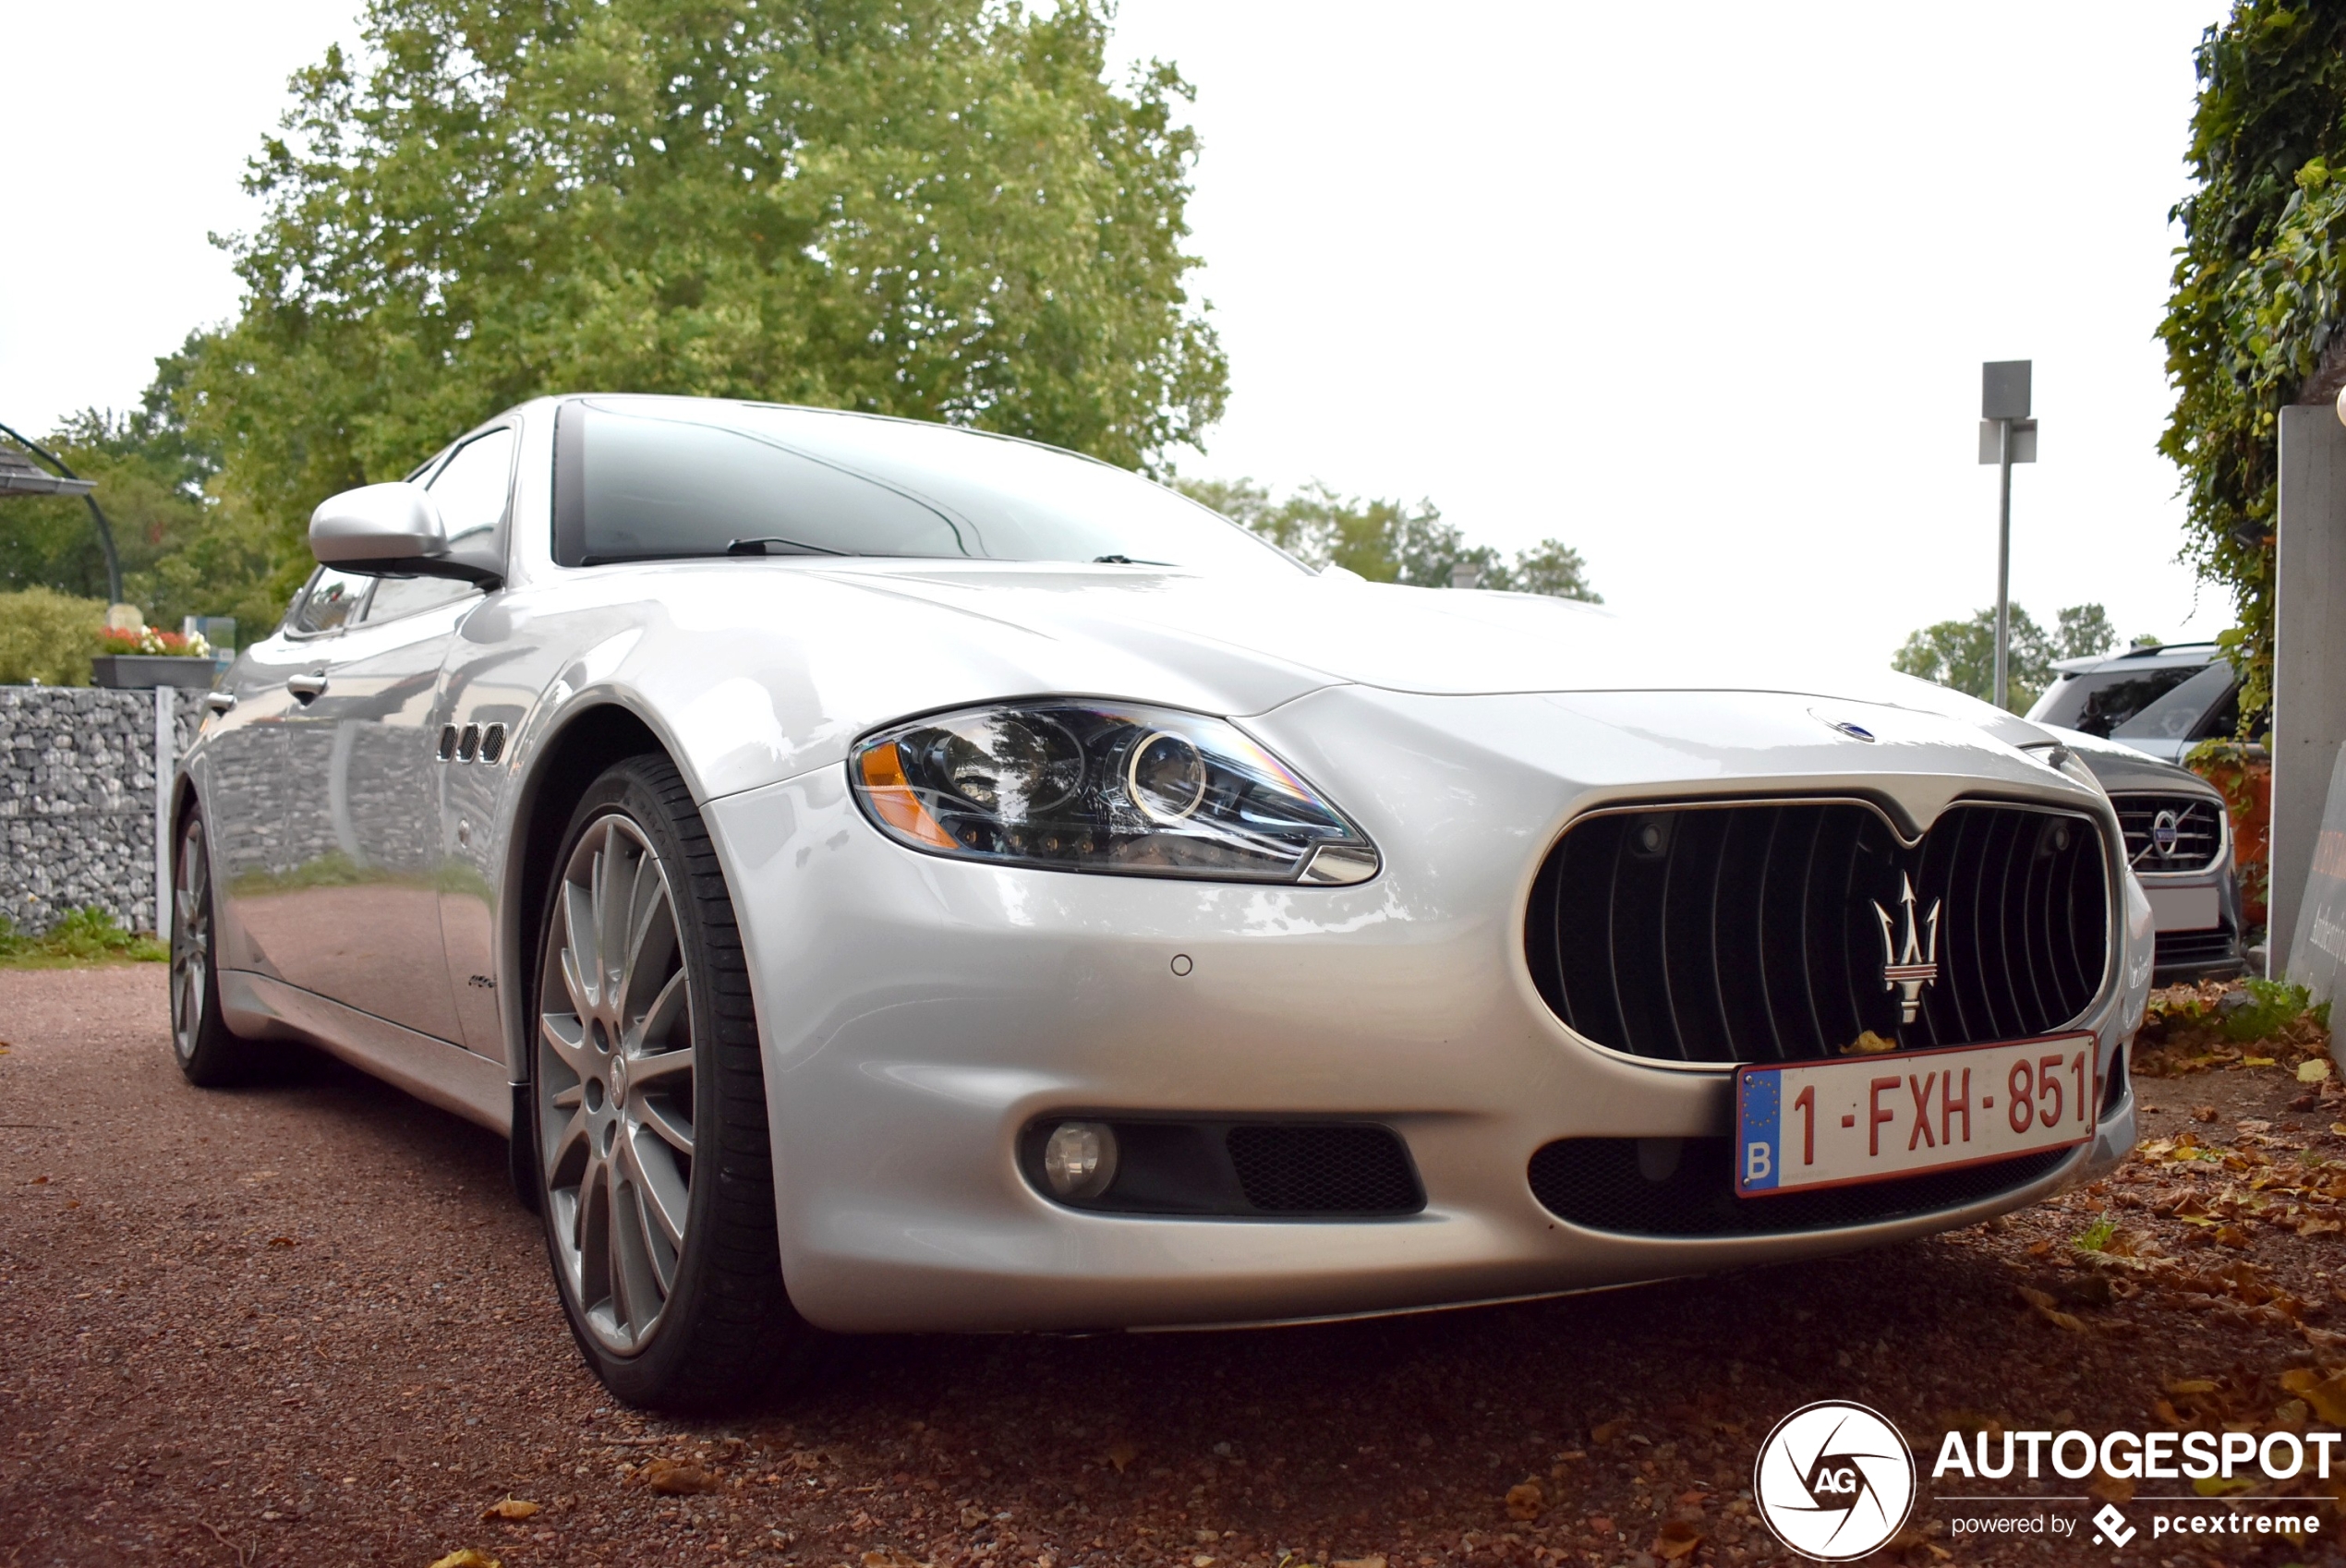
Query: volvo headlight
[1103, 787]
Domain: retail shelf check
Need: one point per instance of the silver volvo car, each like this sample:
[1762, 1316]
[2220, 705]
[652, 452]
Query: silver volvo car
[884, 877]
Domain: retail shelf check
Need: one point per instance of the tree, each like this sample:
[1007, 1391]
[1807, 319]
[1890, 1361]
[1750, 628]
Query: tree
[180, 555]
[1962, 654]
[931, 208]
[2252, 321]
[1389, 542]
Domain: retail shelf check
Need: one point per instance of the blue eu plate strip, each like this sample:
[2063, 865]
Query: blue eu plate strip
[1758, 1152]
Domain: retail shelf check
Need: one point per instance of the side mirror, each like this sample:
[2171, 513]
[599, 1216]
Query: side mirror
[390, 530]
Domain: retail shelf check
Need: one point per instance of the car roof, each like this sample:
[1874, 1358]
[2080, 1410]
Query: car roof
[2167, 655]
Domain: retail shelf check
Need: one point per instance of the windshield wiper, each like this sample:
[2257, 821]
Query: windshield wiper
[1126, 561]
[790, 547]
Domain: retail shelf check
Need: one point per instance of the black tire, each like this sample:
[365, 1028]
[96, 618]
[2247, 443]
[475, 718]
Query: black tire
[724, 1333]
[210, 1053]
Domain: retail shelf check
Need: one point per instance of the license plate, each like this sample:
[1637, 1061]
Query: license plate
[2184, 909]
[1808, 1125]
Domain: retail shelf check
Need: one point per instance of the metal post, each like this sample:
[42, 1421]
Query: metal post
[2007, 435]
[2003, 564]
[166, 750]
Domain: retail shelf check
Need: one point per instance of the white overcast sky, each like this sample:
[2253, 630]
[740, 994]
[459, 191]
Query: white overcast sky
[1702, 290]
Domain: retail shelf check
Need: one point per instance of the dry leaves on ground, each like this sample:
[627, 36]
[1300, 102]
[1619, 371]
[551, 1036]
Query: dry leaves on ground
[511, 1508]
[465, 1557]
[677, 1477]
[1525, 1502]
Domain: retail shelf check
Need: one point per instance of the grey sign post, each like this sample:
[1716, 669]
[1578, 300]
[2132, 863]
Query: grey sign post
[2007, 435]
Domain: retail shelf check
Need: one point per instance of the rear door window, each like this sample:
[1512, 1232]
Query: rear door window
[2099, 701]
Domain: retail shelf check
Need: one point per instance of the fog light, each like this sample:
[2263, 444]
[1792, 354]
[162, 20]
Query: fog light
[1079, 1160]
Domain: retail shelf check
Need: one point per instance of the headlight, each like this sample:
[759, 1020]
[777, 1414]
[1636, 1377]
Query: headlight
[1077, 786]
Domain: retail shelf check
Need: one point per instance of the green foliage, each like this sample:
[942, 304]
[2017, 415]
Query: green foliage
[48, 637]
[2274, 1005]
[181, 554]
[2096, 1237]
[930, 208]
[1387, 542]
[2257, 297]
[87, 936]
[1962, 654]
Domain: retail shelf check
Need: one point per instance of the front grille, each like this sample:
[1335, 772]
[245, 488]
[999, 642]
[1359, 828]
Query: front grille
[2169, 832]
[1762, 931]
[2196, 949]
[1686, 1186]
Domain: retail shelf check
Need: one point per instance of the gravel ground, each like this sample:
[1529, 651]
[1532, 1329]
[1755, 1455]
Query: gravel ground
[305, 1325]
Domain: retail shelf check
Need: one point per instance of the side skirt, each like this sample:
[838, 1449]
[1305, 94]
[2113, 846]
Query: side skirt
[440, 1074]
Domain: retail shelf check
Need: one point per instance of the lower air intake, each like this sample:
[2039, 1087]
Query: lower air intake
[1686, 1186]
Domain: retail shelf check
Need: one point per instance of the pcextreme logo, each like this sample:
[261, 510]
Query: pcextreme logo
[1834, 1480]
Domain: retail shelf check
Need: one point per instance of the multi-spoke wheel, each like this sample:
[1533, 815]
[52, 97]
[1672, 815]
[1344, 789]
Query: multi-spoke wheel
[615, 1082]
[208, 1053]
[643, 1088]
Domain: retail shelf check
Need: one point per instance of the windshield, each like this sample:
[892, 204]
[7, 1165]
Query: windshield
[657, 479]
[2099, 701]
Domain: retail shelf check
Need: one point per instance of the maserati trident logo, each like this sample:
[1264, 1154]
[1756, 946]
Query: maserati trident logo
[1909, 968]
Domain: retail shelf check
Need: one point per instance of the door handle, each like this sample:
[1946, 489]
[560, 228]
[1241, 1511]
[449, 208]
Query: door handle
[305, 687]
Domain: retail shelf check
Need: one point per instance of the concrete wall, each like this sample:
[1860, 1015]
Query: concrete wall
[78, 780]
[2309, 650]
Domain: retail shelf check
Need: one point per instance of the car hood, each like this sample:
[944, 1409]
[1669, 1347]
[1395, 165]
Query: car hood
[757, 670]
[1337, 628]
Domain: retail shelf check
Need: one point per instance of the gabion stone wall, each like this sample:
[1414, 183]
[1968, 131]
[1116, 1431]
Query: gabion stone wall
[78, 802]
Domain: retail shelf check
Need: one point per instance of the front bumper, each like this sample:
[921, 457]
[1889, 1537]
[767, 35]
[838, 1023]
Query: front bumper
[917, 1012]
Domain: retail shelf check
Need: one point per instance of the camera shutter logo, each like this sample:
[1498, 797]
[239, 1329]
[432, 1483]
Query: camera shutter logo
[1834, 1480]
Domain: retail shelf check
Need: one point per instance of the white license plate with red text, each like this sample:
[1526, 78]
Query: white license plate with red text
[1808, 1125]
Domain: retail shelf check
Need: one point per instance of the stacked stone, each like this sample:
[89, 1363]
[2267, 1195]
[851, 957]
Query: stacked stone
[78, 802]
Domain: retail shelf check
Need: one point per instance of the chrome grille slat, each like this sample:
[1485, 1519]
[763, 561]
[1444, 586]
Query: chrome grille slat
[2199, 831]
[1750, 934]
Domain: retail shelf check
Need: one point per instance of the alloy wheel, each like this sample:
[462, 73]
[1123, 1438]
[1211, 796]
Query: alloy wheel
[190, 939]
[614, 1083]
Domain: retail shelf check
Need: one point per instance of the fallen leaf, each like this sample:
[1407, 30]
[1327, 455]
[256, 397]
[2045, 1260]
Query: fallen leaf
[2218, 1486]
[1121, 1454]
[972, 1518]
[2259, 1062]
[2313, 1070]
[1201, 1560]
[2327, 1396]
[465, 1557]
[1600, 1524]
[2203, 1113]
[2191, 1385]
[2234, 1235]
[512, 1508]
[1868, 1045]
[888, 1557]
[281, 1241]
[2319, 1227]
[1525, 1502]
[1677, 1539]
[1607, 1432]
[2339, 1128]
[1358, 1563]
[2043, 1305]
[676, 1477]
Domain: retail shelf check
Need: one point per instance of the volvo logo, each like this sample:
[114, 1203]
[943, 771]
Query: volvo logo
[1907, 968]
[2166, 832]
